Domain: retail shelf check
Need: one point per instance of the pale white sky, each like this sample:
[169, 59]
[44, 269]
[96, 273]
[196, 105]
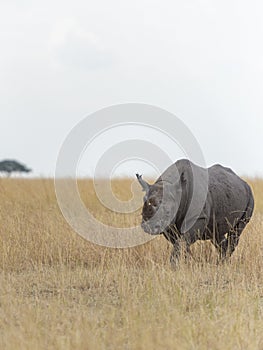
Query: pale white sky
[201, 60]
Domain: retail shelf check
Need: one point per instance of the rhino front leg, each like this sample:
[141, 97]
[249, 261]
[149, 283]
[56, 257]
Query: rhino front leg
[182, 244]
[175, 255]
[181, 249]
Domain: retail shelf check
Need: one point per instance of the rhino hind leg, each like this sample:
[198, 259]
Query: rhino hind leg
[228, 245]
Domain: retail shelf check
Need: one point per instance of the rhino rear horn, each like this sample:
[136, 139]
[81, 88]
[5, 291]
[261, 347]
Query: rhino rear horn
[143, 183]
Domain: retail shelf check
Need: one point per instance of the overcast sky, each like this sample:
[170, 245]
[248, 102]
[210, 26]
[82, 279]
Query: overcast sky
[201, 60]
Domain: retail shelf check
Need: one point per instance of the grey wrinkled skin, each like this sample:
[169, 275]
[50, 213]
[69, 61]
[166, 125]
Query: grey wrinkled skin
[189, 203]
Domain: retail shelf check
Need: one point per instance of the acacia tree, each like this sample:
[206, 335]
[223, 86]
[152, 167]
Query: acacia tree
[12, 166]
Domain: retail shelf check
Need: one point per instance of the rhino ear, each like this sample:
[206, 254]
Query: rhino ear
[183, 177]
[143, 183]
[181, 180]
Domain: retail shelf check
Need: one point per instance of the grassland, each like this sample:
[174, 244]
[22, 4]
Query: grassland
[58, 291]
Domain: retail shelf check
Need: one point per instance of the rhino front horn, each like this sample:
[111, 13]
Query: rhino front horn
[143, 183]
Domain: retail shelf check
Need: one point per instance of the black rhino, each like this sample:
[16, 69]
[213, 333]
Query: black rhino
[189, 203]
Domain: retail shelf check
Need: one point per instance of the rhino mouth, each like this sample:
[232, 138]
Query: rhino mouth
[152, 230]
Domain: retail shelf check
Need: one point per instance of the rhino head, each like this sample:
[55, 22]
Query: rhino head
[161, 202]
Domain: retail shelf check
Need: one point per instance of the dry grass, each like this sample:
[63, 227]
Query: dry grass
[58, 291]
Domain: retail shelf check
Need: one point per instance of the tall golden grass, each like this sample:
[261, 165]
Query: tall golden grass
[58, 291]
